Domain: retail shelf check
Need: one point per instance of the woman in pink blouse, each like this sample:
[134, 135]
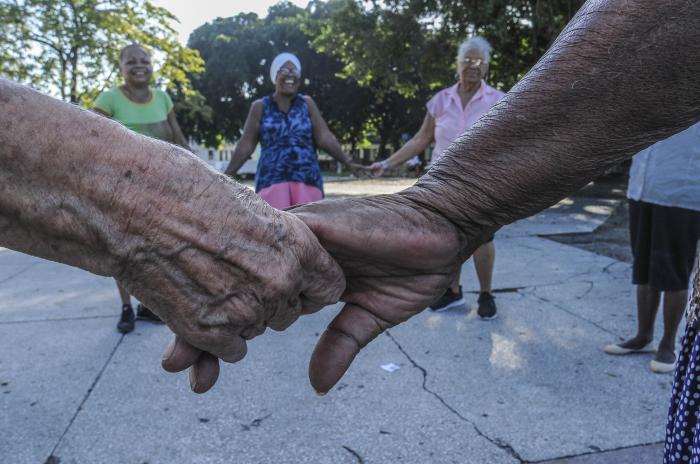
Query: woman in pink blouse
[450, 113]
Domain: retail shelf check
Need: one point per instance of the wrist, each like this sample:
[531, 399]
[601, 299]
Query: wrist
[386, 164]
[469, 223]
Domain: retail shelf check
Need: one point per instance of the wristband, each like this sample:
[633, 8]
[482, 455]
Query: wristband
[385, 164]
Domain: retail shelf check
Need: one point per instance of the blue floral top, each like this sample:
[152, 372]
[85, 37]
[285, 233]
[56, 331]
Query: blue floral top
[288, 153]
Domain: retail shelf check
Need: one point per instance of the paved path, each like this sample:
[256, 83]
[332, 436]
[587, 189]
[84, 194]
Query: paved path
[530, 386]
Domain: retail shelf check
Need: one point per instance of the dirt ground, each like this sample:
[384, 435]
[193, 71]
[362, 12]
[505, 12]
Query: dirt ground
[611, 238]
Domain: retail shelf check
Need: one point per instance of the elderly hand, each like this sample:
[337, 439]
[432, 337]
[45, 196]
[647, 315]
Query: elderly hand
[220, 268]
[397, 256]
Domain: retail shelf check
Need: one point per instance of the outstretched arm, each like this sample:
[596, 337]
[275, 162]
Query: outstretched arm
[418, 144]
[246, 144]
[325, 139]
[622, 75]
[81, 189]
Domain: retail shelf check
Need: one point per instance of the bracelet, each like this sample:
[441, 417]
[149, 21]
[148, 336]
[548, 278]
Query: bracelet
[385, 164]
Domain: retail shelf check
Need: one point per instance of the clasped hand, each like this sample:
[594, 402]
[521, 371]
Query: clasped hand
[397, 258]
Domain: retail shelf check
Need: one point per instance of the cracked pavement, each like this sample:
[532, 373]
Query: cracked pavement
[532, 386]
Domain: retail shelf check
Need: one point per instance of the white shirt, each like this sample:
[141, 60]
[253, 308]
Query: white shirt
[668, 172]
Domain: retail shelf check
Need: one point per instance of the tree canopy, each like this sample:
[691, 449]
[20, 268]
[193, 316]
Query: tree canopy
[70, 48]
[371, 65]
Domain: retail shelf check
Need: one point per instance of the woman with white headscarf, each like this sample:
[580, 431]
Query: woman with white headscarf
[289, 127]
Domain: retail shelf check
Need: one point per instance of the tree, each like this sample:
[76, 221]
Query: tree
[519, 30]
[237, 53]
[70, 48]
[386, 51]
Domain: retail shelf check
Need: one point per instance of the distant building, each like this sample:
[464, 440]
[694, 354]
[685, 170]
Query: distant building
[219, 158]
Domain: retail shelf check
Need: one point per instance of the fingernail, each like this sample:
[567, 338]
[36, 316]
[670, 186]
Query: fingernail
[169, 349]
[193, 380]
[320, 393]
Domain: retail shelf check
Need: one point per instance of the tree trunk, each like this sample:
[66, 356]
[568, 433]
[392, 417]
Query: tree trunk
[74, 76]
[64, 71]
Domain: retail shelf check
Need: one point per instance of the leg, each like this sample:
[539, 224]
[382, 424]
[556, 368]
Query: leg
[126, 320]
[647, 304]
[454, 286]
[484, 257]
[674, 304]
[124, 295]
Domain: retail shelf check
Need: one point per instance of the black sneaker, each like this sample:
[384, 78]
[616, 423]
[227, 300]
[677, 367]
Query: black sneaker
[126, 321]
[487, 306]
[146, 314]
[448, 301]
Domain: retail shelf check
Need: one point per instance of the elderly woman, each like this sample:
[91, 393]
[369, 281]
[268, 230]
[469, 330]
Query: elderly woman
[450, 113]
[289, 127]
[146, 110]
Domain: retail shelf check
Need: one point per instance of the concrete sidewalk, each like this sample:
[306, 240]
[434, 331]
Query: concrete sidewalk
[530, 386]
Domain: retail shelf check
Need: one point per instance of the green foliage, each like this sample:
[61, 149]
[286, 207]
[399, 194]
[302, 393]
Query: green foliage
[405, 50]
[386, 51]
[70, 48]
[237, 52]
[519, 30]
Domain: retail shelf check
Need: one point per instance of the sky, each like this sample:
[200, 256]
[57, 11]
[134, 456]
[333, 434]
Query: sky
[193, 14]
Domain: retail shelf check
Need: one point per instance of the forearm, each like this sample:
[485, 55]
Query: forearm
[239, 157]
[181, 140]
[622, 75]
[80, 189]
[331, 145]
[405, 153]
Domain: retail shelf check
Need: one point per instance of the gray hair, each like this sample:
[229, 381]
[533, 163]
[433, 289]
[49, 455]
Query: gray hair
[476, 43]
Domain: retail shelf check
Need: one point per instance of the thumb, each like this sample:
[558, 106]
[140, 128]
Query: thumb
[351, 330]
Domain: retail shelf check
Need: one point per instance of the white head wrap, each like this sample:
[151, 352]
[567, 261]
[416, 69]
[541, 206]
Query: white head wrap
[279, 61]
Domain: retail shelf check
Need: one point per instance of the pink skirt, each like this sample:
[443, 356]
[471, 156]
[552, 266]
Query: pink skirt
[286, 194]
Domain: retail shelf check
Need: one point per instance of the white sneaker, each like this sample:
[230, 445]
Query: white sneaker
[616, 349]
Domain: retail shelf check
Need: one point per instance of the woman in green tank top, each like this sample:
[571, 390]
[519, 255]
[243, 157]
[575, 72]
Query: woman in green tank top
[146, 110]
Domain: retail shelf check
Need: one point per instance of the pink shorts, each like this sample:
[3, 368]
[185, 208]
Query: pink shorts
[286, 194]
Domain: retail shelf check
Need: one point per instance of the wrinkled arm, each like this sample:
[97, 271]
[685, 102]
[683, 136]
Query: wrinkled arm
[246, 144]
[66, 187]
[622, 75]
[81, 189]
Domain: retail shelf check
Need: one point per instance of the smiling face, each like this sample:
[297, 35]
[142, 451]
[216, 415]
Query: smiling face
[288, 79]
[472, 67]
[136, 67]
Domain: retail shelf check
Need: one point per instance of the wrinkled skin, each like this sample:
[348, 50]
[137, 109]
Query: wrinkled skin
[622, 75]
[206, 254]
[386, 284]
[397, 258]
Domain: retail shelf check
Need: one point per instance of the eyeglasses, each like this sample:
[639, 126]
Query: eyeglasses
[288, 72]
[468, 62]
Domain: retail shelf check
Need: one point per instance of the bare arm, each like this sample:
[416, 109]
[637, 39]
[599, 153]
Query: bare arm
[418, 144]
[177, 132]
[325, 139]
[81, 189]
[622, 75]
[246, 144]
